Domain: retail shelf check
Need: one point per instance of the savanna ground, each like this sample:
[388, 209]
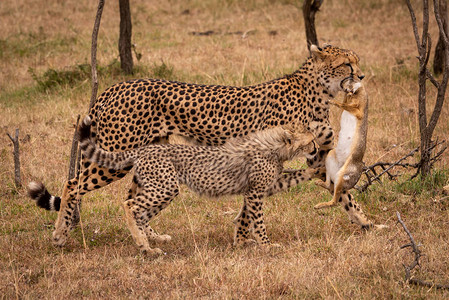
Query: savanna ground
[44, 85]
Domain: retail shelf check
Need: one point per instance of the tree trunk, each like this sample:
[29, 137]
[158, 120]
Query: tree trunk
[425, 154]
[438, 61]
[424, 46]
[309, 9]
[124, 44]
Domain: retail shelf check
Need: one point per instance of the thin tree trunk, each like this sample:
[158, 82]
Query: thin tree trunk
[424, 46]
[124, 44]
[309, 9]
[93, 53]
[75, 157]
[438, 61]
[15, 142]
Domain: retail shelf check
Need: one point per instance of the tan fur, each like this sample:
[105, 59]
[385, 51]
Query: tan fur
[349, 173]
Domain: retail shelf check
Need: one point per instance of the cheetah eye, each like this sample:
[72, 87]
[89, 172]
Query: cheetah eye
[347, 64]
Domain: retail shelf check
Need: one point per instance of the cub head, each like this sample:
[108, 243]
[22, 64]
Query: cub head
[334, 66]
[299, 141]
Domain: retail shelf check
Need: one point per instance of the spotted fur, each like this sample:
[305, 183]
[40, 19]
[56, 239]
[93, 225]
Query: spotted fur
[149, 111]
[250, 165]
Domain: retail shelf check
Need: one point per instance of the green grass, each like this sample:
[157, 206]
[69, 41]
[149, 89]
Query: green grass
[428, 186]
[31, 44]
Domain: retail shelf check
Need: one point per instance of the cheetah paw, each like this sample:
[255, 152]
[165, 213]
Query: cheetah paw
[381, 226]
[163, 238]
[153, 252]
[245, 243]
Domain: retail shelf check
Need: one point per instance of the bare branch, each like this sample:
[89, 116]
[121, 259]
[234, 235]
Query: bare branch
[373, 176]
[124, 43]
[428, 51]
[415, 27]
[439, 61]
[443, 85]
[425, 30]
[437, 156]
[386, 168]
[432, 79]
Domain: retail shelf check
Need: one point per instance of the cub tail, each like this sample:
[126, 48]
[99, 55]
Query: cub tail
[103, 158]
[39, 193]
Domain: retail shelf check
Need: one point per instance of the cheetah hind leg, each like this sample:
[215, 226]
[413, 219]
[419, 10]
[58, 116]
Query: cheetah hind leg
[132, 215]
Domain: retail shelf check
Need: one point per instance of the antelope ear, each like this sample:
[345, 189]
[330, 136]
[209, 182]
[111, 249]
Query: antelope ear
[316, 52]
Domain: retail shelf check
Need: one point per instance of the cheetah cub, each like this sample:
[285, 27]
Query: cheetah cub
[344, 163]
[250, 165]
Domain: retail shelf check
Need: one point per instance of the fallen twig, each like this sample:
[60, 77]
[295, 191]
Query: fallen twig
[415, 262]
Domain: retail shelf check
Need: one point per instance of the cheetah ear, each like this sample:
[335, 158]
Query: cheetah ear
[317, 52]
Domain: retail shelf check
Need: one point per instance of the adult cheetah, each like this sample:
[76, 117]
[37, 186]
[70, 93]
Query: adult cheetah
[147, 111]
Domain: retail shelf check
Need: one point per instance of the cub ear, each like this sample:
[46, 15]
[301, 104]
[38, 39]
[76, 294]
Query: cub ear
[316, 52]
[304, 138]
[287, 134]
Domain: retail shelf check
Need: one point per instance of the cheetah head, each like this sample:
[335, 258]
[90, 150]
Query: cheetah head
[335, 66]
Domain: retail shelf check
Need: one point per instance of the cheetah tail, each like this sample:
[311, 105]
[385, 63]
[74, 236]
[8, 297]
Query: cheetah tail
[39, 193]
[103, 158]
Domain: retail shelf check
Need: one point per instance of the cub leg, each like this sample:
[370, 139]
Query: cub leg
[242, 227]
[153, 195]
[324, 136]
[290, 179]
[132, 214]
[255, 211]
[151, 234]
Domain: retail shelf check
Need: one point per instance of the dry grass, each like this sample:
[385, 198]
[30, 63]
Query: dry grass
[322, 255]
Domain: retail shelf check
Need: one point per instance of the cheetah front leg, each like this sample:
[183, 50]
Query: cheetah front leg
[354, 211]
[133, 219]
[138, 213]
[324, 136]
